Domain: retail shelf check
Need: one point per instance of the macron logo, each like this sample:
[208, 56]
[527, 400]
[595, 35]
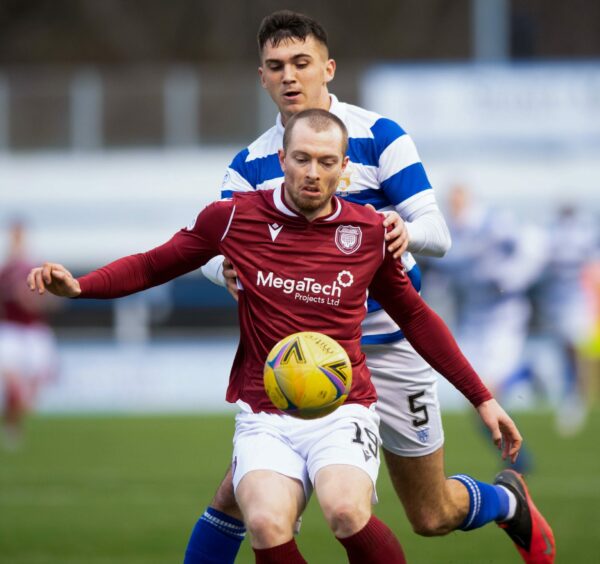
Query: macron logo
[274, 229]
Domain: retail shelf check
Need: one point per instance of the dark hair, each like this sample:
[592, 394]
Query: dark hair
[285, 24]
[319, 120]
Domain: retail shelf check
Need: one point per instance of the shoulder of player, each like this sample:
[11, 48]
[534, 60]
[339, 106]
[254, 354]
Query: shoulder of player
[365, 123]
[264, 146]
[360, 215]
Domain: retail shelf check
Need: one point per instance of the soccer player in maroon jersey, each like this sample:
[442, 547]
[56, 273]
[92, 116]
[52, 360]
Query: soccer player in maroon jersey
[27, 344]
[305, 261]
[296, 70]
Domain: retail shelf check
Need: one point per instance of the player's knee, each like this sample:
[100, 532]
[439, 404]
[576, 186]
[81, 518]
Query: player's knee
[346, 517]
[430, 524]
[267, 528]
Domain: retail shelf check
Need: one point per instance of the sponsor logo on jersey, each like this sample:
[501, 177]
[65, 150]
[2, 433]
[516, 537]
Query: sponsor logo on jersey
[348, 238]
[308, 289]
[274, 229]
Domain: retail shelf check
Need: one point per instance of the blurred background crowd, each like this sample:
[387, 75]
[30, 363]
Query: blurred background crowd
[118, 119]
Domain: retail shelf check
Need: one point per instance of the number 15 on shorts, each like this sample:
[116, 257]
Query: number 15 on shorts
[367, 439]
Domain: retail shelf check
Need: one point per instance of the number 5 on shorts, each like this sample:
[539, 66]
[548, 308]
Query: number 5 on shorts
[414, 408]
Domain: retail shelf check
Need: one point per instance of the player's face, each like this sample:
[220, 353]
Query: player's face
[312, 167]
[296, 73]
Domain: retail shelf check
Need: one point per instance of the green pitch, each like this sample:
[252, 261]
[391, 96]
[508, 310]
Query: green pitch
[109, 490]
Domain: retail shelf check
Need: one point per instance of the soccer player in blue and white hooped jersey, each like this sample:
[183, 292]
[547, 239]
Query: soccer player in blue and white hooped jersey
[385, 171]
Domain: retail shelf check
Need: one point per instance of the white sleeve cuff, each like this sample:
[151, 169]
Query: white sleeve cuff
[213, 270]
[426, 226]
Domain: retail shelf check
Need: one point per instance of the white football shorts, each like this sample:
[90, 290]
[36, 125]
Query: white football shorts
[28, 351]
[300, 448]
[407, 400]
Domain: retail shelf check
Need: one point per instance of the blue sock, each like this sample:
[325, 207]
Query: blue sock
[216, 539]
[486, 502]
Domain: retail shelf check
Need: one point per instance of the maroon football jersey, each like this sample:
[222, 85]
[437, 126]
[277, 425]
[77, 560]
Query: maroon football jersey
[295, 275]
[17, 304]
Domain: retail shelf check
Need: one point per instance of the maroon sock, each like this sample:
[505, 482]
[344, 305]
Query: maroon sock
[374, 543]
[287, 553]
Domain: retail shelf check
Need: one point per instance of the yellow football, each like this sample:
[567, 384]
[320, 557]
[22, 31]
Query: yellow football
[307, 375]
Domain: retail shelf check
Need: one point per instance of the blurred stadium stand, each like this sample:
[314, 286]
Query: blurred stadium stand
[117, 120]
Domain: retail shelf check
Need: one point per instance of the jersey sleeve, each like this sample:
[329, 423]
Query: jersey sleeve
[402, 177]
[427, 229]
[187, 250]
[425, 330]
[401, 174]
[238, 177]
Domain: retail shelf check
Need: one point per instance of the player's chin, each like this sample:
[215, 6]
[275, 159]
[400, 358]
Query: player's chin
[312, 197]
[310, 204]
[293, 105]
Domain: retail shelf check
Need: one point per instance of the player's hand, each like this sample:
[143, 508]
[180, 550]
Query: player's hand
[230, 278]
[397, 236]
[505, 434]
[55, 278]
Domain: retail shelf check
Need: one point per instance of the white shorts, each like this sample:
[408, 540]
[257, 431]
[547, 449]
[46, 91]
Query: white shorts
[299, 449]
[407, 400]
[28, 351]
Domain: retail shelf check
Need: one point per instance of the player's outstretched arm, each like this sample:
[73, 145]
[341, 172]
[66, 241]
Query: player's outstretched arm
[55, 278]
[504, 432]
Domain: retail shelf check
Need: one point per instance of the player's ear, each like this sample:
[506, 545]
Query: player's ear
[345, 162]
[261, 76]
[330, 67]
[281, 155]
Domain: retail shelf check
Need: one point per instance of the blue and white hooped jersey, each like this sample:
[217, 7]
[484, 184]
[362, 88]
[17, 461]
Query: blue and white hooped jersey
[384, 170]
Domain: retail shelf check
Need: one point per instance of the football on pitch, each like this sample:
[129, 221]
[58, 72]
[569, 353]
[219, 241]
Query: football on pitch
[307, 375]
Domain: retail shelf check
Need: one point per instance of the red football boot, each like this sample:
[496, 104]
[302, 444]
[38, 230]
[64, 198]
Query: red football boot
[528, 529]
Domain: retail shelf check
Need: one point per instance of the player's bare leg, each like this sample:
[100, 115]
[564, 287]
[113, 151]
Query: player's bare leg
[433, 504]
[345, 493]
[436, 505]
[270, 503]
[224, 499]
[15, 408]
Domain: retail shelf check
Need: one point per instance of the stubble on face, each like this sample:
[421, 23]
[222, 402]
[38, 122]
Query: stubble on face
[312, 168]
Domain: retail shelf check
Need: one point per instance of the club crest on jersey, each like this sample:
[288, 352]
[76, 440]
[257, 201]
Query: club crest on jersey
[348, 238]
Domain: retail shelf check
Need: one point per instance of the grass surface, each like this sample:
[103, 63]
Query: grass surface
[100, 490]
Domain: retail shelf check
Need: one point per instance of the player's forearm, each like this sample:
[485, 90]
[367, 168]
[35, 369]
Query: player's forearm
[428, 234]
[138, 272]
[117, 279]
[425, 223]
[432, 339]
[426, 331]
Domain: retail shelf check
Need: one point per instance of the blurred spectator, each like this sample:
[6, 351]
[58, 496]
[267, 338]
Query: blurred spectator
[493, 262]
[564, 305]
[27, 345]
[590, 349]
